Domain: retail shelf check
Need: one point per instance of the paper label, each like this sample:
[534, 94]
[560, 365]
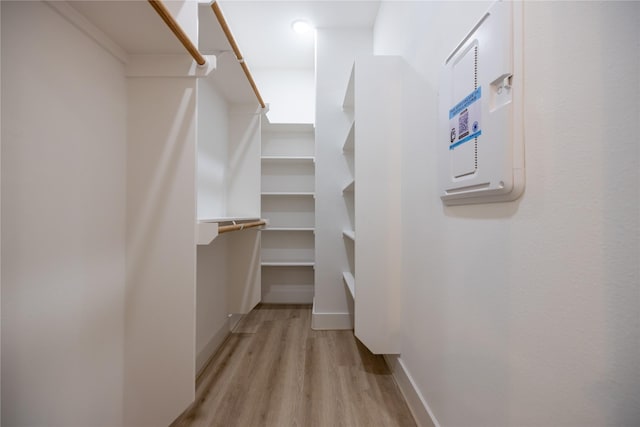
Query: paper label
[464, 120]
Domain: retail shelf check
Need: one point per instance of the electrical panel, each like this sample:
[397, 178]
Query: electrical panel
[480, 135]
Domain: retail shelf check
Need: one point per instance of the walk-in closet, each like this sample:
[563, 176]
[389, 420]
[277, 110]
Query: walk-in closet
[319, 213]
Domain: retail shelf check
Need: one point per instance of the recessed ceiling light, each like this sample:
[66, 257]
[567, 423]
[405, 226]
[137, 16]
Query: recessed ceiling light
[300, 26]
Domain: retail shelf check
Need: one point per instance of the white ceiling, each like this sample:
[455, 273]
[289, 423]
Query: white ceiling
[132, 25]
[263, 28]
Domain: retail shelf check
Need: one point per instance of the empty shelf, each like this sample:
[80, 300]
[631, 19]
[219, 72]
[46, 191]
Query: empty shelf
[349, 95]
[288, 264]
[230, 219]
[349, 234]
[294, 193]
[350, 281]
[349, 187]
[350, 139]
[288, 158]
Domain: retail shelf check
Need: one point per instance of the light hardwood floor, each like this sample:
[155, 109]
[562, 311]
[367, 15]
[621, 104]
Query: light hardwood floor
[274, 370]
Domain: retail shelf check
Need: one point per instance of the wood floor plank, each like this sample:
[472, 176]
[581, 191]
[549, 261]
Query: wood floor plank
[275, 371]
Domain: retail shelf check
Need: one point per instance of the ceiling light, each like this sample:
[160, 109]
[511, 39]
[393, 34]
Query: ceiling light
[300, 26]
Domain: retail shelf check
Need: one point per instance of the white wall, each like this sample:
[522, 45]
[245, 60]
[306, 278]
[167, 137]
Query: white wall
[243, 162]
[336, 50]
[161, 254]
[63, 222]
[213, 141]
[526, 313]
[289, 92]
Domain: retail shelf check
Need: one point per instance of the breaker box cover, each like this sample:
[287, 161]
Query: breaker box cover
[480, 138]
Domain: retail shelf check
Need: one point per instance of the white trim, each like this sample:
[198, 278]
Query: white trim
[422, 413]
[330, 321]
[204, 355]
[89, 29]
[288, 294]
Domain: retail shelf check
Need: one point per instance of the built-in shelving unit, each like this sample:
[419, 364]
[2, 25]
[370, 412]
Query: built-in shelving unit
[288, 204]
[373, 104]
[348, 191]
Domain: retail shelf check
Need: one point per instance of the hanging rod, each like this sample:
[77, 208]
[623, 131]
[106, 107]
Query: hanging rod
[238, 227]
[177, 30]
[236, 50]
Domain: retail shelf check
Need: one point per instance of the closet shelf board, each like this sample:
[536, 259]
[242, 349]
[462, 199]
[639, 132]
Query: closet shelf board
[278, 193]
[348, 103]
[349, 234]
[288, 264]
[289, 229]
[288, 159]
[350, 281]
[230, 219]
[349, 187]
[349, 141]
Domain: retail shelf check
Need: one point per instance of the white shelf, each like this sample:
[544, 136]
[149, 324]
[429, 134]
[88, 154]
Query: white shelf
[288, 140]
[207, 232]
[284, 128]
[349, 141]
[291, 246]
[349, 234]
[288, 264]
[375, 216]
[288, 176]
[350, 281]
[349, 187]
[349, 96]
[230, 219]
[289, 212]
[287, 247]
[289, 229]
[287, 194]
[288, 159]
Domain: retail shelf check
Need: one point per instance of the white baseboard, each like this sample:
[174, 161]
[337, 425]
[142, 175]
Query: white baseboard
[288, 294]
[212, 346]
[330, 321]
[417, 404]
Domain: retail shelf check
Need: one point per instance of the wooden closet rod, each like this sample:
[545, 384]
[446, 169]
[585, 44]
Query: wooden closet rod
[237, 227]
[236, 50]
[177, 30]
